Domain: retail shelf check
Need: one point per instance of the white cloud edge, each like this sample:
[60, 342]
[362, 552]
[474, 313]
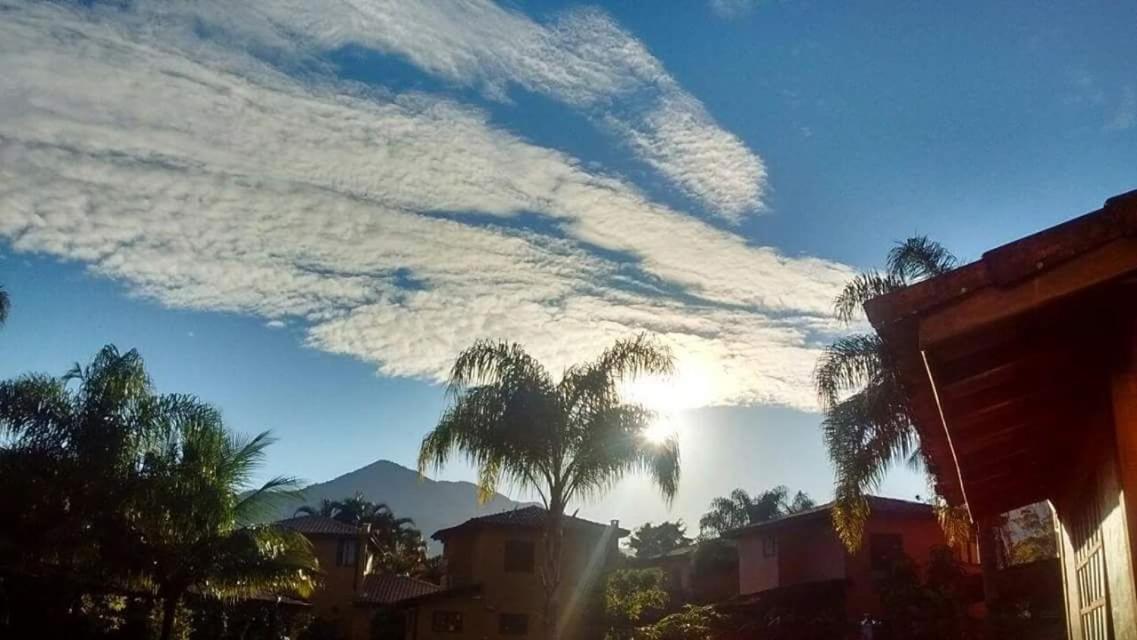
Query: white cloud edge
[116, 151]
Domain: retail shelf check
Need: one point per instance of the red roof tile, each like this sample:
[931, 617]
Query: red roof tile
[385, 588]
[319, 525]
[877, 504]
[532, 517]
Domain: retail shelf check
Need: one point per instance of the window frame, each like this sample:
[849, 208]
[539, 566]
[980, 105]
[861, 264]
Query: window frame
[769, 546]
[438, 622]
[343, 546]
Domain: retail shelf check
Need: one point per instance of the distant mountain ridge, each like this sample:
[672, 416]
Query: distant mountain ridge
[432, 504]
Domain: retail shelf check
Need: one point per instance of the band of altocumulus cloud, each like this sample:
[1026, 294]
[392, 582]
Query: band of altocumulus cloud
[208, 179]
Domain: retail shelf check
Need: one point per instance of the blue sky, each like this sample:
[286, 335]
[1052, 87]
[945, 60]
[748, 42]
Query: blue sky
[300, 211]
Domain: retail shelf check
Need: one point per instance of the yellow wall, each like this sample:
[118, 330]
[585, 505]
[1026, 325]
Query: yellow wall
[334, 597]
[478, 557]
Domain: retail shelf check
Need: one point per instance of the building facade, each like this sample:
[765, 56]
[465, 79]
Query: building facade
[1021, 371]
[351, 590]
[493, 578]
[802, 551]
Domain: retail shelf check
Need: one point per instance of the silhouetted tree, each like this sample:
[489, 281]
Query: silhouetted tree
[868, 426]
[740, 509]
[128, 491]
[652, 540]
[562, 440]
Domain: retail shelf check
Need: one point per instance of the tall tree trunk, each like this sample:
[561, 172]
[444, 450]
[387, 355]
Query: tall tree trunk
[551, 572]
[169, 611]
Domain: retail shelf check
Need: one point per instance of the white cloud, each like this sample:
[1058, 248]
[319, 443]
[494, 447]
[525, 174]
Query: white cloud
[732, 8]
[275, 324]
[207, 180]
[1125, 114]
[581, 58]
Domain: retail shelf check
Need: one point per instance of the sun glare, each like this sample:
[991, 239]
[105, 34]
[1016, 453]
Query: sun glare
[661, 430]
[689, 388]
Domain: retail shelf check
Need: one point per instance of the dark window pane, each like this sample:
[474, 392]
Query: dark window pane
[519, 556]
[447, 622]
[769, 546]
[885, 549]
[513, 624]
[347, 552]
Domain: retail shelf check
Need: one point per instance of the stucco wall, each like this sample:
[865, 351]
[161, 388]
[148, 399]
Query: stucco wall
[756, 572]
[479, 557]
[334, 597]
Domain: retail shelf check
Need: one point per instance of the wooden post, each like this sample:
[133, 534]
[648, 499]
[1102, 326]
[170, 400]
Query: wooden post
[1124, 395]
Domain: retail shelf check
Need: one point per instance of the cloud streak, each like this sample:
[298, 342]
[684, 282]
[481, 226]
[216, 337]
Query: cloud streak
[207, 179]
[581, 58]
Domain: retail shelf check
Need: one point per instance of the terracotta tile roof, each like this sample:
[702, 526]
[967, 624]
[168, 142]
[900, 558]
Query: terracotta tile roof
[877, 504]
[532, 517]
[319, 525]
[385, 588]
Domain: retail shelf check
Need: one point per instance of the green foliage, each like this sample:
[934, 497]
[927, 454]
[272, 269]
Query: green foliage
[1029, 535]
[867, 426]
[932, 608]
[322, 629]
[689, 623]
[563, 440]
[116, 489]
[740, 509]
[630, 597]
[713, 556]
[652, 540]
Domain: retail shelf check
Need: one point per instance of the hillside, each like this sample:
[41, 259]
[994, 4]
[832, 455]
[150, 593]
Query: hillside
[432, 504]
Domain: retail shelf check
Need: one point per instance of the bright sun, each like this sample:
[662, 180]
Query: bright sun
[661, 430]
[666, 396]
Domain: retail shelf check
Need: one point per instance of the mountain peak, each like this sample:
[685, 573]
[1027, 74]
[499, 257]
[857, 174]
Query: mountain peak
[432, 504]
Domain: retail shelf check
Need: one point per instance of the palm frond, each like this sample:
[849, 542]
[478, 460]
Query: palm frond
[860, 289]
[848, 363]
[266, 500]
[918, 257]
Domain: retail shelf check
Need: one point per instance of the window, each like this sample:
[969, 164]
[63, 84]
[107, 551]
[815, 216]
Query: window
[769, 546]
[347, 553]
[447, 622]
[513, 624]
[518, 556]
[885, 549]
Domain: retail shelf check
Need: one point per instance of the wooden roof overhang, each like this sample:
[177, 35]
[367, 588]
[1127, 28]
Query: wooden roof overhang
[1004, 359]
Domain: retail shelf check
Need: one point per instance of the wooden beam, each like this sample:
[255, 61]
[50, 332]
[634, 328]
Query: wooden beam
[991, 305]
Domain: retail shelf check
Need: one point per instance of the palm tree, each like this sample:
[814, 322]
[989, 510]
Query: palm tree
[197, 517]
[128, 489]
[399, 544]
[867, 425]
[326, 509]
[563, 440]
[740, 509]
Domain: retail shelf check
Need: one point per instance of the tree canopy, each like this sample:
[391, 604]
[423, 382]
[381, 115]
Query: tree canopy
[562, 439]
[867, 426]
[123, 490]
[650, 540]
[740, 509]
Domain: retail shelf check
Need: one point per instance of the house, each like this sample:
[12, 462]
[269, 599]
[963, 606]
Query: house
[697, 573]
[493, 580]
[801, 554]
[351, 590]
[1021, 371]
